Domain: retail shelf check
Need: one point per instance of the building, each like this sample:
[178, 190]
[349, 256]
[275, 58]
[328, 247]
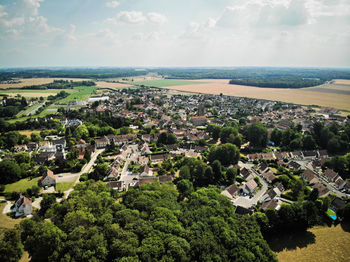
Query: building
[102, 142]
[22, 207]
[48, 179]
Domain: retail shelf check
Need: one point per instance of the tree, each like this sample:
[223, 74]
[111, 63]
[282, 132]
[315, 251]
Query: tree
[226, 154]
[185, 188]
[231, 175]
[314, 194]
[257, 135]
[226, 132]
[9, 172]
[11, 248]
[47, 201]
[81, 132]
[185, 172]
[276, 136]
[100, 171]
[309, 142]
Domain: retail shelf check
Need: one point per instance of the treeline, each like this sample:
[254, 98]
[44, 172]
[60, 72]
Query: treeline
[60, 84]
[10, 107]
[323, 74]
[149, 224]
[278, 82]
[96, 73]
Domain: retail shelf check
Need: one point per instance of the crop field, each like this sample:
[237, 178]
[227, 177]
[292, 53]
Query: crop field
[29, 132]
[104, 84]
[29, 93]
[166, 83]
[304, 96]
[318, 244]
[36, 81]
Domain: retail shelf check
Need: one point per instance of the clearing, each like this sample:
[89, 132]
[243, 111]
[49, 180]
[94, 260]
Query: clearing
[64, 186]
[105, 84]
[29, 132]
[304, 96]
[21, 185]
[318, 244]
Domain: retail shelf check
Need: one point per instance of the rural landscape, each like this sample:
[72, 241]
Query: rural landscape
[174, 130]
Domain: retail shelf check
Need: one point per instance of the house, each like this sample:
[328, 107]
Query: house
[102, 142]
[20, 148]
[322, 190]
[231, 191]
[145, 180]
[81, 144]
[48, 179]
[243, 211]
[158, 158]
[141, 160]
[340, 183]
[199, 120]
[268, 156]
[250, 186]
[271, 194]
[117, 185]
[245, 173]
[145, 171]
[280, 186]
[309, 176]
[43, 157]
[23, 206]
[330, 175]
[32, 146]
[262, 167]
[59, 141]
[296, 155]
[272, 204]
[337, 204]
[310, 154]
[269, 176]
[294, 165]
[323, 153]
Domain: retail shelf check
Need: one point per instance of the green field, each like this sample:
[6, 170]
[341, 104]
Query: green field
[6, 221]
[21, 185]
[64, 186]
[165, 83]
[82, 93]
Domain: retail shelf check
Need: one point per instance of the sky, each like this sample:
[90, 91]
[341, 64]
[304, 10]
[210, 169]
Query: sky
[155, 33]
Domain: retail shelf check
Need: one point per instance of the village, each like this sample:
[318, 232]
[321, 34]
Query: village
[138, 157]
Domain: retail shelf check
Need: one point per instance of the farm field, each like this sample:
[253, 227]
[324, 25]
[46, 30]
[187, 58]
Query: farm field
[29, 132]
[166, 83]
[80, 93]
[104, 84]
[303, 96]
[319, 244]
[37, 81]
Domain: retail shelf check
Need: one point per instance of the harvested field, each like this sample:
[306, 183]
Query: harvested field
[104, 84]
[29, 132]
[167, 82]
[297, 96]
[319, 244]
[36, 81]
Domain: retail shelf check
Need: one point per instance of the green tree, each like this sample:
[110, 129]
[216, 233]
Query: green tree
[257, 135]
[11, 248]
[226, 154]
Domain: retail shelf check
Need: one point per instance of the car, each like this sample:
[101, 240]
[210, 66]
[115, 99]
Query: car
[60, 175]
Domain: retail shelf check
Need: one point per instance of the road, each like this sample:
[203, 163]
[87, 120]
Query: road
[124, 176]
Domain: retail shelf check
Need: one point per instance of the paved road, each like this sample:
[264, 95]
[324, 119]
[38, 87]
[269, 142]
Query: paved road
[124, 176]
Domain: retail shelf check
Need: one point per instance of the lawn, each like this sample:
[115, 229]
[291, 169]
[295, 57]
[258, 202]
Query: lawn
[317, 244]
[64, 186]
[5, 220]
[165, 83]
[21, 185]
[330, 212]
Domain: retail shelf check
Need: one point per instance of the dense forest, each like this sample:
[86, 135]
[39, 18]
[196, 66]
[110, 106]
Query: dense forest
[60, 84]
[150, 223]
[278, 82]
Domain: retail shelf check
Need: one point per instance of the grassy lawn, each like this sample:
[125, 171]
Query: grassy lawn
[5, 220]
[317, 244]
[21, 185]
[165, 82]
[64, 186]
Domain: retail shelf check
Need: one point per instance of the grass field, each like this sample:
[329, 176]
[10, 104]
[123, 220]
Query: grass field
[319, 244]
[303, 96]
[165, 83]
[104, 84]
[81, 93]
[29, 93]
[5, 220]
[21, 185]
[64, 186]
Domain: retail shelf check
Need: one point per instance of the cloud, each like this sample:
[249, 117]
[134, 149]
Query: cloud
[131, 17]
[113, 4]
[157, 18]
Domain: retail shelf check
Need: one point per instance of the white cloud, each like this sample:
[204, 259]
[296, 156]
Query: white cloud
[157, 18]
[131, 17]
[113, 4]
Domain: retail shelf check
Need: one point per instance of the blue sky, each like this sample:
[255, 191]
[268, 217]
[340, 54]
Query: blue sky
[175, 33]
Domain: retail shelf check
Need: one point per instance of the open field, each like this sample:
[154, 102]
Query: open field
[36, 81]
[21, 185]
[104, 84]
[303, 96]
[34, 93]
[5, 220]
[167, 82]
[319, 244]
[29, 132]
[81, 93]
